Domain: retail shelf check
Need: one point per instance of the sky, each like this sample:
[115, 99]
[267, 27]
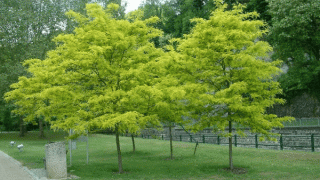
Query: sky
[132, 5]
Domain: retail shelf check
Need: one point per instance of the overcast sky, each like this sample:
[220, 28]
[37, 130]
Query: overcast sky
[132, 5]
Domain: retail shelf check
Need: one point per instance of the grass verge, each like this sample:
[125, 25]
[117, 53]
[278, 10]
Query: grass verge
[151, 159]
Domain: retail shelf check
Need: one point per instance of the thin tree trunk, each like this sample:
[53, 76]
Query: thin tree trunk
[25, 129]
[171, 149]
[41, 132]
[22, 129]
[46, 125]
[118, 150]
[230, 146]
[133, 144]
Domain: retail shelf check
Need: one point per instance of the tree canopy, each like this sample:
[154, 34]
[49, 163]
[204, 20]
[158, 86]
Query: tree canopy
[26, 31]
[295, 36]
[107, 72]
[87, 80]
[225, 57]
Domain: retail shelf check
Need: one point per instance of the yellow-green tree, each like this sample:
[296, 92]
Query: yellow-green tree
[87, 81]
[224, 56]
[170, 106]
[164, 97]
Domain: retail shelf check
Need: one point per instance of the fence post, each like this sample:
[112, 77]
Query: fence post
[148, 136]
[180, 137]
[256, 140]
[218, 140]
[235, 140]
[203, 139]
[190, 138]
[162, 136]
[281, 142]
[312, 142]
[142, 136]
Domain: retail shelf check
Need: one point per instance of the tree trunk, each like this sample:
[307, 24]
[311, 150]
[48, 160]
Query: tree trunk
[118, 150]
[134, 146]
[230, 146]
[171, 149]
[41, 132]
[22, 128]
[46, 125]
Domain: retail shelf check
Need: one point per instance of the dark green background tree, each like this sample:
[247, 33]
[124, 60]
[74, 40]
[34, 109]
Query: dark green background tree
[295, 36]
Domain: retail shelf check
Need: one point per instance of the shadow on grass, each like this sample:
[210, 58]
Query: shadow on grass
[153, 156]
[236, 170]
[209, 168]
[136, 153]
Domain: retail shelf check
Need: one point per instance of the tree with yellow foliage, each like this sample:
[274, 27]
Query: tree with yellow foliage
[87, 81]
[225, 56]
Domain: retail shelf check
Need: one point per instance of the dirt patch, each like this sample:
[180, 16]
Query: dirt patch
[236, 170]
[30, 165]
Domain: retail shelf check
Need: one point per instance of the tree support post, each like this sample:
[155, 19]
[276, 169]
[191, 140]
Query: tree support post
[281, 142]
[230, 146]
[312, 142]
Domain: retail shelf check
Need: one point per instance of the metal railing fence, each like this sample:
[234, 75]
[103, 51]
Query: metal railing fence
[293, 142]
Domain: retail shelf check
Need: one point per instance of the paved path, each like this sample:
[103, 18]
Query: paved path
[11, 169]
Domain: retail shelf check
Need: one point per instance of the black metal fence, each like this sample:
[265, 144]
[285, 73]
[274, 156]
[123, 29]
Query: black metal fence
[292, 142]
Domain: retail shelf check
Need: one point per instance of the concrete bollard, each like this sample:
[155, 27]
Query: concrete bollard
[56, 160]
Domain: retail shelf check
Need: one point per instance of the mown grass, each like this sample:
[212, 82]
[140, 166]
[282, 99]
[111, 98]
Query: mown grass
[151, 160]
[34, 147]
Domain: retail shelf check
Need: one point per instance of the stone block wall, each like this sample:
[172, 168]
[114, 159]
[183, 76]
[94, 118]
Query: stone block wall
[304, 105]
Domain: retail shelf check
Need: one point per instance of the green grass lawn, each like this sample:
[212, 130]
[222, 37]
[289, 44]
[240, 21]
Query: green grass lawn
[151, 159]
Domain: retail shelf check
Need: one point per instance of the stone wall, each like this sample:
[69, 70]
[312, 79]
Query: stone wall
[304, 106]
[293, 138]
